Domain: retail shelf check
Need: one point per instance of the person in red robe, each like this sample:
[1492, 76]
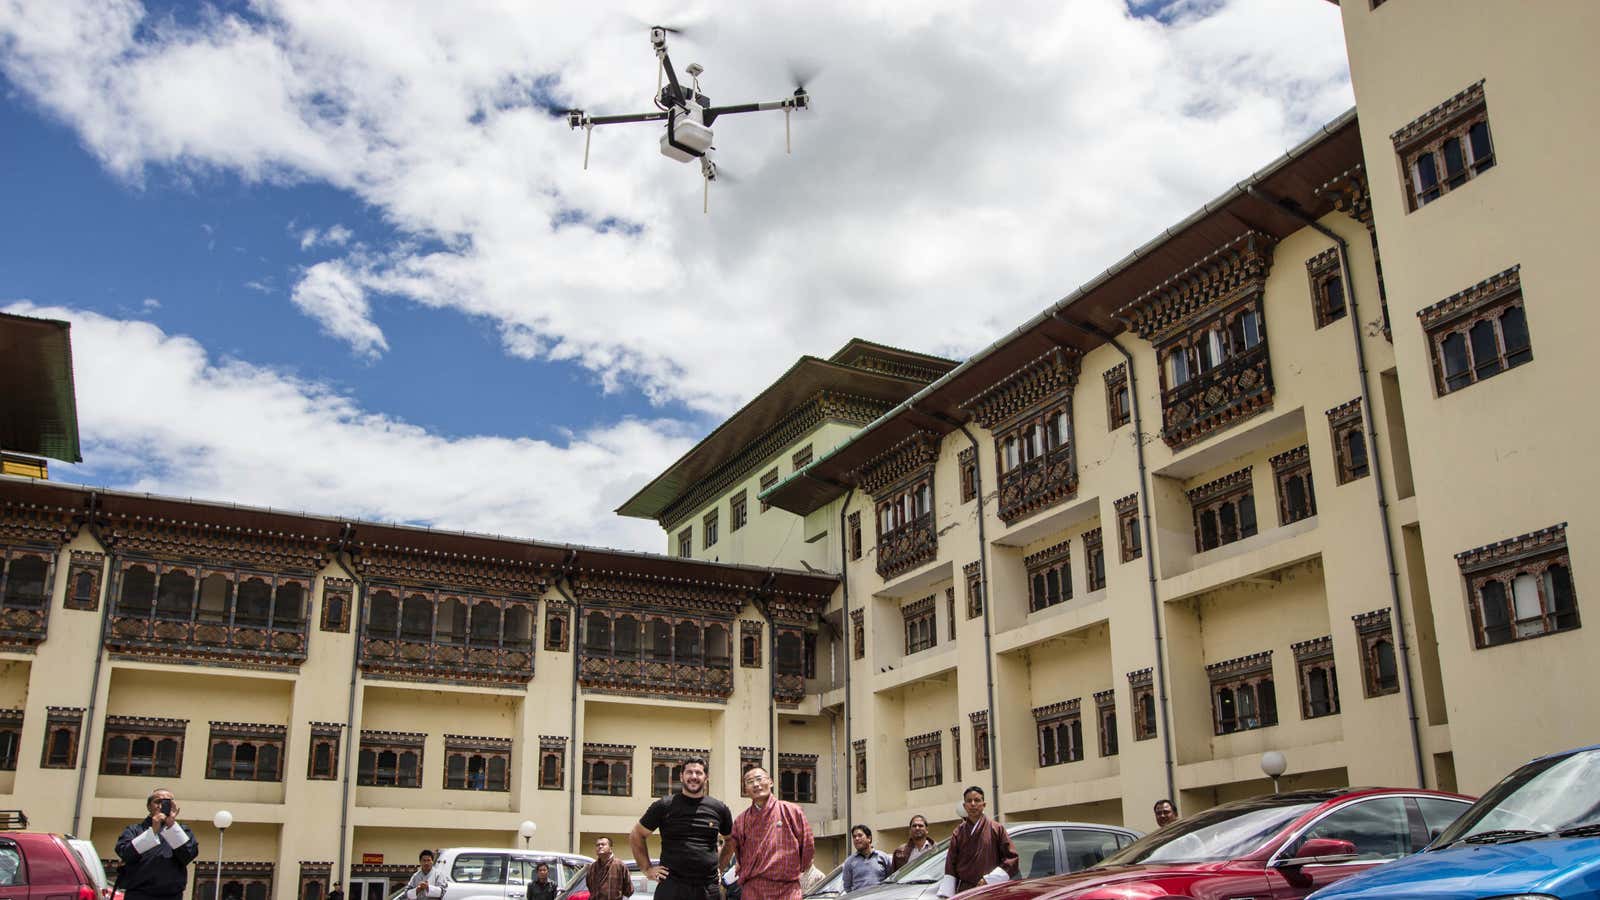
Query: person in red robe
[979, 846]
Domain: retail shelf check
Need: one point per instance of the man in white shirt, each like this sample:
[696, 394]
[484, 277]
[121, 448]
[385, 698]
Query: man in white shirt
[427, 882]
[156, 852]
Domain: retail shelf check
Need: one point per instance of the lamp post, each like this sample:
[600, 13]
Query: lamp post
[526, 830]
[1273, 765]
[222, 820]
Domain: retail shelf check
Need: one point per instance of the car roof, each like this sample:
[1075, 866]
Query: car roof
[1098, 826]
[1566, 752]
[546, 854]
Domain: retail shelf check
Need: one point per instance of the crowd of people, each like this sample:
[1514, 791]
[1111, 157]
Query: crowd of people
[766, 852]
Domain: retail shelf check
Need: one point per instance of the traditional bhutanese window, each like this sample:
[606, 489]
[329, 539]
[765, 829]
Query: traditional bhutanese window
[967, 460]
[1060, 732]
[708, 529]
[390, 759]
[1327, 287]
[241, 880]
[1030, 414]
[1445, 147]
[1119, 404]
[1129, 536]
[1142, 695]
[83, 580]
[686, 543]
[900, 482]
[608, 769]
[25, 577]
[738, 511]
[802, 458]
[336, 594]
[1094, 556]
[666, 767]
[245, 751]
[1224, 511]
[552, 762]
[10, 738]
[980, 740]
[768, 480]
[134, 745]
[974, 576]
[1380, 670]
[1049, 576]
[859, 750]
[925, 766]
[1243, 697]
[1291, 471]
[1521, 588]
[314, 880]
[797, 777]
[323, 762]
[557, 625]
[750, 758]
[854, 521]
[1349, 442]
[1318, 683]
[858, 634]
[1478, 333]
[955, 749]
[1105, 705]
[950, 611]
[749, 644]
[477, 763]
[919, 625]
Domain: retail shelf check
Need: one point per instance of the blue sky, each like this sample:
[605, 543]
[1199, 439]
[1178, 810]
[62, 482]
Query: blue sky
[339, 257]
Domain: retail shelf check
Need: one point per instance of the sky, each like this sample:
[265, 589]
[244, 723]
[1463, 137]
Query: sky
[344, 257]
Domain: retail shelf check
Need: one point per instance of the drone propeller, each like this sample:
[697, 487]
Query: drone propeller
[802, 74]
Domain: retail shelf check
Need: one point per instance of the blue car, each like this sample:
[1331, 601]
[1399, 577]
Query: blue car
[1534, 836]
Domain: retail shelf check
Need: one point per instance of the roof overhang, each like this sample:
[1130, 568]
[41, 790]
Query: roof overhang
[1086, 318]
[38, 405]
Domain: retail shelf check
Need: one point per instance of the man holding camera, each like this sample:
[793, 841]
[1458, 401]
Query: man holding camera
[156, 853]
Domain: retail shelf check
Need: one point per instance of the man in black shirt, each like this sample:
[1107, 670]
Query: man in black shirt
[541, 887]
[156, 852]
[690, 822]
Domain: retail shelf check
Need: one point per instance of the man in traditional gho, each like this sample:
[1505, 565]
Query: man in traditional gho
[980, 850]
[773, 843]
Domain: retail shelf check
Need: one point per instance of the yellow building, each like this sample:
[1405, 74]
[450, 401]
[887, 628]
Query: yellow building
[1296, 475]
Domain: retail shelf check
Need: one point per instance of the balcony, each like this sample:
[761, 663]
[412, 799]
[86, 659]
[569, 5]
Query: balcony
[908, 546]
[1239, 387]
[712, 680]
[22, 623]
[489, 664]
[280, 644]
[1038, 483]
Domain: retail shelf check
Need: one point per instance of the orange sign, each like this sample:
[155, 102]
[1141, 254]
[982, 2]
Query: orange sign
[372, 859]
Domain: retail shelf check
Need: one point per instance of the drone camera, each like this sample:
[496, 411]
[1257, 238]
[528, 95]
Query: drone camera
[575, 118]
[695, 70]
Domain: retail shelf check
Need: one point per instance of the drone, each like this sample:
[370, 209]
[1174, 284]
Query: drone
[688, 114]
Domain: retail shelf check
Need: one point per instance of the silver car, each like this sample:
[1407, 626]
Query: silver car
[1043, 848]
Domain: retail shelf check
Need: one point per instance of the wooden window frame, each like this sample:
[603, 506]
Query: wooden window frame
[1036, 457]
[950, 613]
[808, 654]
[1214, 351]
[738, 511]
[1373, 630]
[853, 524]
[1094, 560]
[708, 530]
[324, 734]
[921, 627]
[1345, 428]
[750, 633]
[858, 634]
[973, 573]
[901, 515]
[1105, 707]
[797, 777]
[1312, 658]
[1487, 303]
[1058, 733]
[337, 596]
[1056, 561]
[858, 751]
[802, 458]
[467, 749]
[1425, 140]
[10, 738]
[666, 767]
[1247, 677]
[980, 740]
[1119, 401]
[254, 879]
[39, 603]
[86, 568]
[1290, 468]
[1231, 494]
[1142, 696]
[967, 462]
[1130, 539]
[1537, 556]
[315, 878]
[924, 753]
[557, 626]
[955, 749]
[612, 755]
[239, 735]
[553, 747]
[133, 729]
[399, 743]
[768, 480]
[1325, 277]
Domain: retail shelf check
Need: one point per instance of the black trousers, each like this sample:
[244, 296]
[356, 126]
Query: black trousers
[673, 888]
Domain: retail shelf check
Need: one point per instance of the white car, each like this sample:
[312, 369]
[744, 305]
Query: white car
[495, 873]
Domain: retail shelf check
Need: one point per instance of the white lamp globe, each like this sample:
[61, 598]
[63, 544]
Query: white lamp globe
[1273, 763]
[222, 819]
[526, 829]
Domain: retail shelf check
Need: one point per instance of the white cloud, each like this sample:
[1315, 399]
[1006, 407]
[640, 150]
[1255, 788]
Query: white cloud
[334, 236]
[330, 293]
[227, 430]
[963, 165]
[150, 304]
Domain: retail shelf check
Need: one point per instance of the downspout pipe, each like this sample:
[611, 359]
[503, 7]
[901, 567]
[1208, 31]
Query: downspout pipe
[1147, 527]
[846, 656]
[576, 762]
[99, 658]
[988, 630]
[1376, 458]
[352, 731]
[761, 598]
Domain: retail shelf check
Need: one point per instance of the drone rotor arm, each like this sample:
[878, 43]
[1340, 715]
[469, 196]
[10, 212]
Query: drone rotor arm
[788, 103]
[625, 118]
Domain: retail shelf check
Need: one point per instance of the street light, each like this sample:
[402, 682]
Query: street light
[525, 831]
[222, 820]
[1273, 764]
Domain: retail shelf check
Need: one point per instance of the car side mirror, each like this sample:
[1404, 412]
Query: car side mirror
[1321, 851]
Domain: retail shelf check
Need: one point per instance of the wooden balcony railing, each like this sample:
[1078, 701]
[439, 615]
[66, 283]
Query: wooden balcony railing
[490, 663]
[23, 624]
[140, 633]
[712, 680]
[908, 546]
[1038, 483]
[1239, 387]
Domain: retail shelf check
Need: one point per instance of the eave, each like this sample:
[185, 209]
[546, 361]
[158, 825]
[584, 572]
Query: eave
[39, 406]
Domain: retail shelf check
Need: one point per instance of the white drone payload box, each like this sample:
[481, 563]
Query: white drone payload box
[686, 130]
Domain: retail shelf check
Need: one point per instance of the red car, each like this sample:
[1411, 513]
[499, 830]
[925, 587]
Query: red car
[38, 865]
[1278, 847]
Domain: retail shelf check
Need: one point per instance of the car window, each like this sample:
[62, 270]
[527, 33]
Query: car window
[1438, 813]
[518, 871]
[928, 868]
[1224, 832]
[11, 866]
[1087, 846]
[1547, 794]
[1036, 853]
[479, 868]
[89, 859]
[1379, 828]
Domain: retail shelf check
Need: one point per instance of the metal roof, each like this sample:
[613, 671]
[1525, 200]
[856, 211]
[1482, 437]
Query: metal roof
[38, 404]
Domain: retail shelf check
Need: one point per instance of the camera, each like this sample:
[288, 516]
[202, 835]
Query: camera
[166, 807]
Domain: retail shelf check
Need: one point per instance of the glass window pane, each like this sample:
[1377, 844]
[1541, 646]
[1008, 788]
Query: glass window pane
[1086, 847]
[1427, 179]
[1036, 853]
[1485, 350]
[1455, 168]
[1380, 829]
[1454, 351]
[1514, 331]
[1496, 617]
[1482, 148]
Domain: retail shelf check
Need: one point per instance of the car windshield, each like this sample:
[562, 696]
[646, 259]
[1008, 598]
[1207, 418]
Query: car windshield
[832, 884]
[1226, 832]
[928, 868]
[1545, 795]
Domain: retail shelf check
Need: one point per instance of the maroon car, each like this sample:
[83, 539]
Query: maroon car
[1278, 847]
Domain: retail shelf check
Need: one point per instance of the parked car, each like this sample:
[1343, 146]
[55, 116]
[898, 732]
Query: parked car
[578, 887]
[831, 886]
[491, 873]
[39, 864]
[1536, 834]
[1043, 848]
[1277, 847]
